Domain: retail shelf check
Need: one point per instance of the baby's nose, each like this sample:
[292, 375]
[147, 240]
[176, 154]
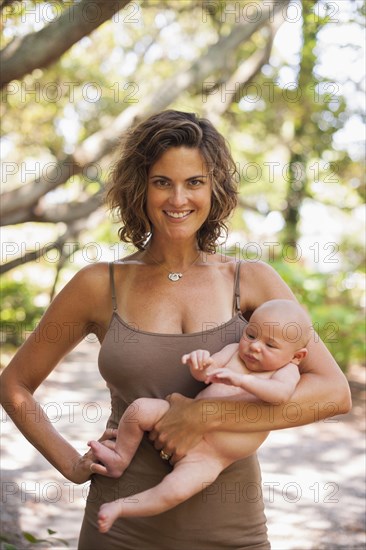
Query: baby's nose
[254, 346]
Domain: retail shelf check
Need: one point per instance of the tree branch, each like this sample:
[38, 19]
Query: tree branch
[102, 142]
[66, 212]
[41, 251]
[25, 197]
[242, 203]
[216, 57]
[6, 3]
[70, 212]
[218, 103]
[40, 49]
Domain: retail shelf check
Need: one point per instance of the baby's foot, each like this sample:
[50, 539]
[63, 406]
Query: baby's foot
[107, 515]
[113, 463]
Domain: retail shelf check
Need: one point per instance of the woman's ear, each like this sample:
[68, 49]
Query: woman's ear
[299, 355]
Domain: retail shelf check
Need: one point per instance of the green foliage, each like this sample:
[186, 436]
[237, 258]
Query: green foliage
[287, 116]
[50, 540]
[337, 315]
[19, 313]
[334, 302]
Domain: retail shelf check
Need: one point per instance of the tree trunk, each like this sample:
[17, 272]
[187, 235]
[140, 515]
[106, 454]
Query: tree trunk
[39, 49]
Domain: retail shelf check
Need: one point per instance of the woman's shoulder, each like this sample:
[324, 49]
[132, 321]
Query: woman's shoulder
[257, 269]
[97, 275]
[92, 274]
[248, 268]
[261, 282]
[89, 281]
[85, 298]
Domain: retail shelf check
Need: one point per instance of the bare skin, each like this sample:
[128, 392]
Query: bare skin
[196, 470]
[274, 355]
[152, 303]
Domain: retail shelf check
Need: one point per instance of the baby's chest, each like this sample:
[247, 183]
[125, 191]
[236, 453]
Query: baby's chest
[236, 364]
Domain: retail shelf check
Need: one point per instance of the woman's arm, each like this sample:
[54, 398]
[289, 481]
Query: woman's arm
[322, 391]
[71, 316]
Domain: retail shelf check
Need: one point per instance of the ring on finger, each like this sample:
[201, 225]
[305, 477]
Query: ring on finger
[164, 455]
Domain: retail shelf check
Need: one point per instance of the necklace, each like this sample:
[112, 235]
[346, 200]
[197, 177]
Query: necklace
[173, 275]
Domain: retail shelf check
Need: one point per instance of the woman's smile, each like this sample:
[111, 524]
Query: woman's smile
[178, 215]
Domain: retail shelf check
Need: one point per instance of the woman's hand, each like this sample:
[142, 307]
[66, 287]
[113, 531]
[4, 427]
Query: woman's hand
[86, 465]
[179, 430]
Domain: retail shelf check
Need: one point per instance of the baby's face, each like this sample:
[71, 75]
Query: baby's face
[263, 346]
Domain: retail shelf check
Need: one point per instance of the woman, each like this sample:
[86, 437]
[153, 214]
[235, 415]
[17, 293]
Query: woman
[173, 187]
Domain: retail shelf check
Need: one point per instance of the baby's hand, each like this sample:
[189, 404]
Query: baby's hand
[197, 360]
[224, 376]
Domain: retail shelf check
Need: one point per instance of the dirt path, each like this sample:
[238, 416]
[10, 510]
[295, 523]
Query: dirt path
[313, 476]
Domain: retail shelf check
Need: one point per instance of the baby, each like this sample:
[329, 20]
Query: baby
[262, 367]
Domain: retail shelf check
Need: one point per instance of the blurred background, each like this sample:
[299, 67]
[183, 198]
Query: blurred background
[283, 81]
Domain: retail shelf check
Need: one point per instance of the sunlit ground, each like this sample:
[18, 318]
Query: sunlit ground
[313, 476]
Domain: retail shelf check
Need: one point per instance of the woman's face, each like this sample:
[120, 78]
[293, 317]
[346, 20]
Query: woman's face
[178, 193]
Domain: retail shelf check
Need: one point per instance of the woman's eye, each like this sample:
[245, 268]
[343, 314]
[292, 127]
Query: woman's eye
[195, 183]
[161, 183]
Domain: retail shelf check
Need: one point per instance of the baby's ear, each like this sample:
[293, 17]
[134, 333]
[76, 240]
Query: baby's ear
[299, 355]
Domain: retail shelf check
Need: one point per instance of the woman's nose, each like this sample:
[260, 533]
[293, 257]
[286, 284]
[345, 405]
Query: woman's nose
[177, 197]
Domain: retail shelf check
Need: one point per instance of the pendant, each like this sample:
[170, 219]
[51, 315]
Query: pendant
[175, 276]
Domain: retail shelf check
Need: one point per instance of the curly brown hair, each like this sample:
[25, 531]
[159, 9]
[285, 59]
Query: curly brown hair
[141, 148]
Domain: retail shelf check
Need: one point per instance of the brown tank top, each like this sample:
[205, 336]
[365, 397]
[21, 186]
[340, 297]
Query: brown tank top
[226, 515]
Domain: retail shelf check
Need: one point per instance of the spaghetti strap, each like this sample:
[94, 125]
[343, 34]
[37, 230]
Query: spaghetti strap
[236, 300]
[136, 363]
[113, 288]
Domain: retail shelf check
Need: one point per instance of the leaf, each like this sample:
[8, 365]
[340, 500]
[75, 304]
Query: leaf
[51, 532]
[29, 537]
[8, 546]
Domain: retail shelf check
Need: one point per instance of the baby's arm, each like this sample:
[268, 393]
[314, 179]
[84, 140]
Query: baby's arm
[201, 363]
[277, 389]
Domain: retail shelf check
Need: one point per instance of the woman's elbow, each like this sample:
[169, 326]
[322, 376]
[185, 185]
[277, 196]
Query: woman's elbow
[5, 393]
[345, 399]
[12, 392]
[8, 396]
[281, 398]
[342, 395]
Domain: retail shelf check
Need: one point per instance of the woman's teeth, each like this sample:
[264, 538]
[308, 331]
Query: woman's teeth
[178, 214]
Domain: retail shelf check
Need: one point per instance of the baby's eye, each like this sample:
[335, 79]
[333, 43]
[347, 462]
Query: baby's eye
[271, 346]
[250, 336]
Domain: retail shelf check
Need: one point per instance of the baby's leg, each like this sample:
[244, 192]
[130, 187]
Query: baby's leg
[188, 478]
[222, 390]
[139, 417]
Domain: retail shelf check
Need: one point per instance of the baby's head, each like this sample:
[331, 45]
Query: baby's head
[277, 333]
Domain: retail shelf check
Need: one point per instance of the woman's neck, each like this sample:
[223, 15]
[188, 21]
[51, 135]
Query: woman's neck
[172, 255]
